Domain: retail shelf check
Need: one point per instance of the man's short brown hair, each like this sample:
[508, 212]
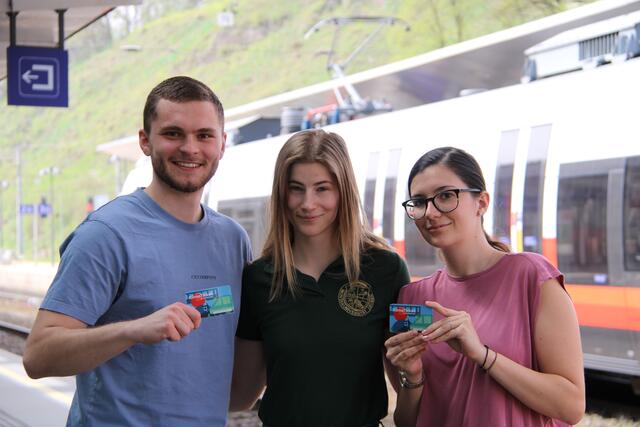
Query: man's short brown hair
[178, 89]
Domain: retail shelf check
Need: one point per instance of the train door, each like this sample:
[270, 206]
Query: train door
[631, 221]
[631, 252]
[250, 214]
[389, 204]
[519, 187]
[589, 250]
[534, 178]
[502, 217]
[422, 258]
[370, 188]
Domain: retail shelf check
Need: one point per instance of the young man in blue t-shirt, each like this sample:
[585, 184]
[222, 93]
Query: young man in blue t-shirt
[113, 315]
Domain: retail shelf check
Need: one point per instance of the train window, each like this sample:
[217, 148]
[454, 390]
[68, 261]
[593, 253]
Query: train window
[582, 226]
[533, 187]
[250, 214]
[250, 229]
[390, 185]
[502, 191]
[244, 213]
[632, 215]
[370, 187]
[421, 257]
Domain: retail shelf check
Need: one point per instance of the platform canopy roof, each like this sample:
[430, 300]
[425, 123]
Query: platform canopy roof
[488, 62]
[37, 21]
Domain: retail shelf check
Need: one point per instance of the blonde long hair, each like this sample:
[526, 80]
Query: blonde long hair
[330, 150]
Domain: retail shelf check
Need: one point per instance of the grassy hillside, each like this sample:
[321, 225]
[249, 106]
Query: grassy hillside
[263, 54]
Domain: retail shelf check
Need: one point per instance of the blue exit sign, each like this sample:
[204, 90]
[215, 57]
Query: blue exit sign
[38, 76]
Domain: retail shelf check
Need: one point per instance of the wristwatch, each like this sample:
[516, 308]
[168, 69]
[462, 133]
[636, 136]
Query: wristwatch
[405, 383]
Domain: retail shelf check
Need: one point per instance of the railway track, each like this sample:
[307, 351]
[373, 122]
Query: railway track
[29, 299]
[14, 329]
[609, 398]
[13, 337]
[17, 312]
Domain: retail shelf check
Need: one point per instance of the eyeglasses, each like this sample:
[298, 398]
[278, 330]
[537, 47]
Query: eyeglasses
[444, 201]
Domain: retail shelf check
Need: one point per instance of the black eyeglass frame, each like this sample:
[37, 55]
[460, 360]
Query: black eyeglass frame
[426, 200]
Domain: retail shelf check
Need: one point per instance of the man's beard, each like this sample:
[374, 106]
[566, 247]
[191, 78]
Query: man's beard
[160, 170]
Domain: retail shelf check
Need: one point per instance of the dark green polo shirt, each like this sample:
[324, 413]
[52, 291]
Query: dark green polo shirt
[323, 349]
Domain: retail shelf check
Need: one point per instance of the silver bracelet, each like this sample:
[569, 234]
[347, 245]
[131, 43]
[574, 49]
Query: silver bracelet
[405, 383]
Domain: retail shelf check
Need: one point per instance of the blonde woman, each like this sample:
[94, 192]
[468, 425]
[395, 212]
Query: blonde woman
[315, 306]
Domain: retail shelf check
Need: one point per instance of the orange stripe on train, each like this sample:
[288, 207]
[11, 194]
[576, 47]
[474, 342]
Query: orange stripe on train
[606, 306]
[550, 251]
[597, 306]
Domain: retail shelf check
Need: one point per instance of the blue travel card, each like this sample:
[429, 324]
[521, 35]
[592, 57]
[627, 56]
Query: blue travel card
[403, 317]
[211, 301]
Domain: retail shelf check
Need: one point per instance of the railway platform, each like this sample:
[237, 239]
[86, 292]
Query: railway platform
[32, 403]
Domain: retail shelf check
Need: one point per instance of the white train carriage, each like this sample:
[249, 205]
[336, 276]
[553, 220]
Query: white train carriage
[561, 158]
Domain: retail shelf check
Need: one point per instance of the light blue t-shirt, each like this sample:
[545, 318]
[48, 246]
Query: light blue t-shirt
[125, 261]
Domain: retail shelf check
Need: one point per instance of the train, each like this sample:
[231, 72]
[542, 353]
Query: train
[561, 157]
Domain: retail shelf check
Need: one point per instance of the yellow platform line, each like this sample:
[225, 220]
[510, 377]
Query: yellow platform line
[28, 382]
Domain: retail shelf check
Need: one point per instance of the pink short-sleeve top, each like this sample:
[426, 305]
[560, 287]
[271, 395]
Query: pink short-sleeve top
[502, 302]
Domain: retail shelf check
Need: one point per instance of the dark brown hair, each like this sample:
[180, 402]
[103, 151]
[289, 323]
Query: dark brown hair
[464, 166]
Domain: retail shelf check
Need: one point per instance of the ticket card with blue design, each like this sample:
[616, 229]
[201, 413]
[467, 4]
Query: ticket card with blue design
[404, 317]
[211, 301]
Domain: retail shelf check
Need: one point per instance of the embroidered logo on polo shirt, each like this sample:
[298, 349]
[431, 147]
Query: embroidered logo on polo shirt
[356, 298]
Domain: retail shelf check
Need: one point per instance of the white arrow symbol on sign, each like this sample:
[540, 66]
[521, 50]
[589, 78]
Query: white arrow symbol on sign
[28, 77]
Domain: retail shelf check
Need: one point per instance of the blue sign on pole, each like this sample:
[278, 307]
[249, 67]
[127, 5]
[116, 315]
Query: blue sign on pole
[44, 209]
[27, 209]
[37, 76]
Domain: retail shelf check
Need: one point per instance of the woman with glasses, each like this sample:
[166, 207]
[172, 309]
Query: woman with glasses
[315, 305]
[504, 348]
